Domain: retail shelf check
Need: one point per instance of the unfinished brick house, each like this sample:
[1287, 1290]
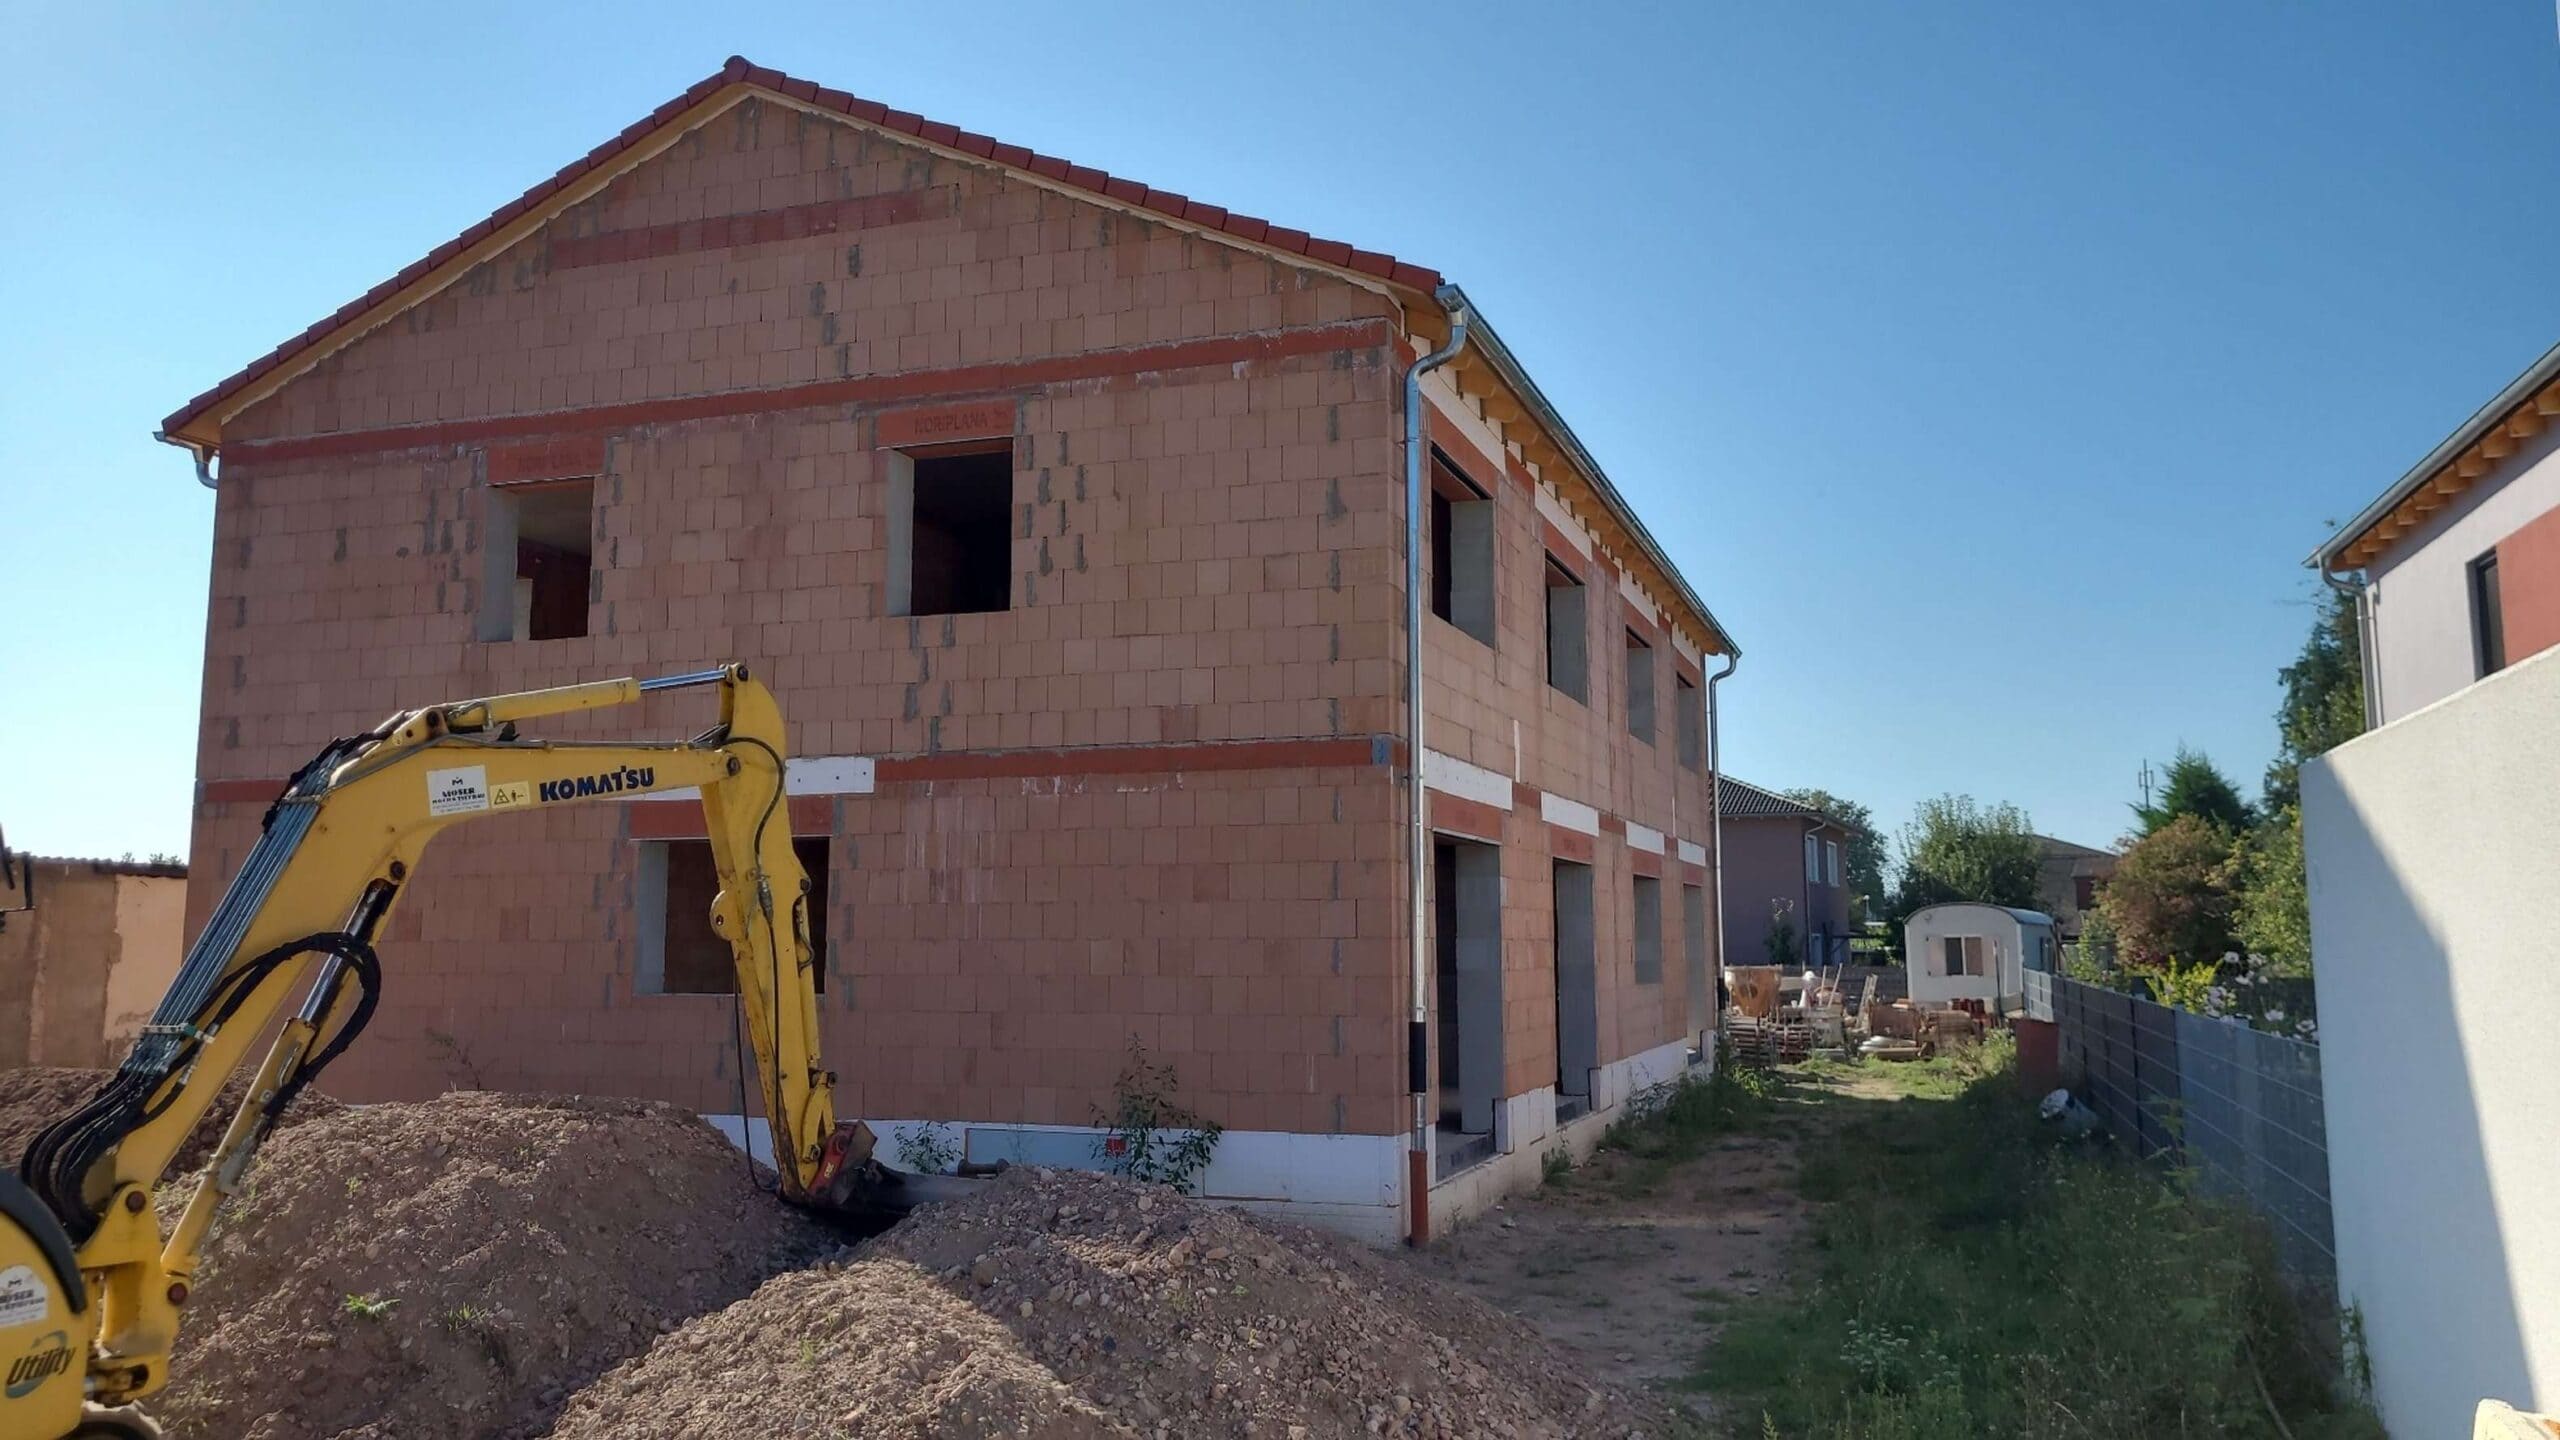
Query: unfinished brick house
[1067, 518]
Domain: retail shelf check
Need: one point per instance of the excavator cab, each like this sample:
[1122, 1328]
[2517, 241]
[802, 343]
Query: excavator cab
[91, 1290]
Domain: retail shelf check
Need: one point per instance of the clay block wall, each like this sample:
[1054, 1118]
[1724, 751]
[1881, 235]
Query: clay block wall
[82, 970]
[1491, 706]
[1204, 486]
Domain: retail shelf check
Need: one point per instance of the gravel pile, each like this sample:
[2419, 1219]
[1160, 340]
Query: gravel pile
[458, 1268]
[1071, 1305]
[35, 1096]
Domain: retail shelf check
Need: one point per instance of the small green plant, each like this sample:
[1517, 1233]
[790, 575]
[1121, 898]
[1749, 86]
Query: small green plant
[1556, 1166]
[808, 1352]
[2185, 987]
[456, 1057]
[928, 1149]
[1146, 1135]
[369, 1307]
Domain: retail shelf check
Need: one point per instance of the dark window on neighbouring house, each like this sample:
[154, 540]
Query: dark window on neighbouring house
[541, 554]
[1568, 632]
[1639, 687]
[1648, 907]
[1691, 716]
[2488, 620]
[680, 954]
[1461, 521]
[2084, 892]
[959, 558]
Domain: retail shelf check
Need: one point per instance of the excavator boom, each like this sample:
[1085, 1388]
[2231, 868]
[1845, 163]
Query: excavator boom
[91, 1290]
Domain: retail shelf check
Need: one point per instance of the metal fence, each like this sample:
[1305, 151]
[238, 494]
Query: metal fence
[2239, 1107]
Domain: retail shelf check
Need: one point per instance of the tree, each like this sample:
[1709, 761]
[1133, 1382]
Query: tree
[1785, 950]
[2274, 917]
[1956, 849]
[1862, 856]
[2323, 703]
[2195, 787]
[2172, 896]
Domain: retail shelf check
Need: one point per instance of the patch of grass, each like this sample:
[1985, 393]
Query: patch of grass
[1968, 1277]
[1672, 1123]
[369, 1307]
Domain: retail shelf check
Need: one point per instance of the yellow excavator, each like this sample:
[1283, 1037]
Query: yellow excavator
[91, 1290]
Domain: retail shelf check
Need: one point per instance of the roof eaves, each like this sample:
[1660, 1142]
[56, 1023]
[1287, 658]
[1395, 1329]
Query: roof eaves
[1480, 331]
[2518, 392]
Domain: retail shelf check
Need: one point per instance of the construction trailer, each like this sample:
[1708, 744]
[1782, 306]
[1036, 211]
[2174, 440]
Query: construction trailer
[1975, 953]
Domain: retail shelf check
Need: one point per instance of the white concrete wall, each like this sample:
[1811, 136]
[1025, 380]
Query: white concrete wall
[2421, 593]
[2434, 852]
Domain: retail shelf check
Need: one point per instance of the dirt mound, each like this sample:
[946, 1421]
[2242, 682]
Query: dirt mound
[35, 1096]
[459, 1267]
[878, 1349]
[1171, 1318]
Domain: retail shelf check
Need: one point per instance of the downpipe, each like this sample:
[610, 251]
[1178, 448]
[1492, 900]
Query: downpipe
[203, 455]
[1715, 831]
[2359, 589]
[1418, 844]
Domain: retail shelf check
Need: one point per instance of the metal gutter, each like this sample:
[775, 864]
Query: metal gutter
[2522, 388]
[1490, 345]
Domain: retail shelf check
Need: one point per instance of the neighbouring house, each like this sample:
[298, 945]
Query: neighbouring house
[2428, 844]
[2068, 879]
[1783, 872]
[2456, 567]
[1966, 951]
[1066, 517]
[86, 949]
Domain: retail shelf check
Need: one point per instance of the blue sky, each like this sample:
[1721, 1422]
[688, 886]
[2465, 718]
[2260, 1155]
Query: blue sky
[1989, 368]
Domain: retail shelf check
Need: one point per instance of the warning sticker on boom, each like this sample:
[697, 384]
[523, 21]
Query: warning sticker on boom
[458, 791]
[24, 1300]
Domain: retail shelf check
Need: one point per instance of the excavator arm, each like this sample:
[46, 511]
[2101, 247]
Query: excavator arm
[90, 1290]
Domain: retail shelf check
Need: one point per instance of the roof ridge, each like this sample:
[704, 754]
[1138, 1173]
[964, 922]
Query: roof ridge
[738, 70]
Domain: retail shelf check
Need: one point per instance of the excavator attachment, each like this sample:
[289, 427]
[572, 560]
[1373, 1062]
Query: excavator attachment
[869, 1197]
[91, 1289]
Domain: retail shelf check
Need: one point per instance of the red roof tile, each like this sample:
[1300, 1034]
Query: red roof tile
[736, 72]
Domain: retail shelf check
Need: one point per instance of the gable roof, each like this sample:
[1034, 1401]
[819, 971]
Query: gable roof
[188, 423]
[1740, 799]
[1427, 300]
[2465, 458]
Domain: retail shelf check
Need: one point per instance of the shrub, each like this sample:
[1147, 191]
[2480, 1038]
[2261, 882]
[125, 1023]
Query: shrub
[1145, 1134]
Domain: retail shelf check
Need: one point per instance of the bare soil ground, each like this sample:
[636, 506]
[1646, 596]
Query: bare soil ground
[460, 1267]
[479, 1266]
[1075, 1305]
[1627, 1275]
[35, 1096]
